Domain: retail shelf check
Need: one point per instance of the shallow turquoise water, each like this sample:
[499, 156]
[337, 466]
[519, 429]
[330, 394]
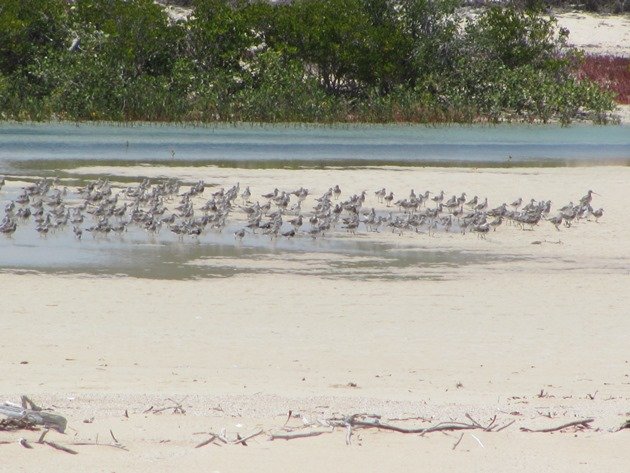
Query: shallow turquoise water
[31, 145]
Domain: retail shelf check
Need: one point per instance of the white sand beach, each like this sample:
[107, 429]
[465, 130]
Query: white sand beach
[536, 333]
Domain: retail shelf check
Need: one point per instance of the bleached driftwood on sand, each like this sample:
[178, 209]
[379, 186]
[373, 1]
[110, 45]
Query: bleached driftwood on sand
[34, 415]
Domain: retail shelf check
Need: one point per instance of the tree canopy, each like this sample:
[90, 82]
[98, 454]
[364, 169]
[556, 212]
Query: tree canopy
[308, 60]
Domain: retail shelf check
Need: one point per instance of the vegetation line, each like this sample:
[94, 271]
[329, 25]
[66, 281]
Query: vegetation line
[314, 61]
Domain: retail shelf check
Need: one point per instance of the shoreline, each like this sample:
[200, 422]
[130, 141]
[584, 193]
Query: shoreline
[621, 113]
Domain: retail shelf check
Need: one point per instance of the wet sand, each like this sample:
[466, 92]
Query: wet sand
[535, 333]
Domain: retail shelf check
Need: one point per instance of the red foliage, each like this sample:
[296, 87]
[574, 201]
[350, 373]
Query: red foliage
[610, 72]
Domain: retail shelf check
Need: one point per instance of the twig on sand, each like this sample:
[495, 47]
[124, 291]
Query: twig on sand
[251, 436]
[41, 437]
[177, 407]
[298, 435]
[505, 426]
[578, 423]
[458, 441]
[348, 434]
[478, 441]
[22, 441]
[96, 444]
[56, 446]
[625, 425]
[116, 443]
[206, 442]
[288, 418]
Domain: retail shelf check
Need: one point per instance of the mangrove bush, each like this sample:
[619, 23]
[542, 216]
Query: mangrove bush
[307, 61]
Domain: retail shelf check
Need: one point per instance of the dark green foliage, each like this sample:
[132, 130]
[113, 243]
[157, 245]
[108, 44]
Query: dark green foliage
[310, 60]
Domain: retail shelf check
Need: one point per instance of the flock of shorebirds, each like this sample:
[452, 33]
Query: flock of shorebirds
[99, 209]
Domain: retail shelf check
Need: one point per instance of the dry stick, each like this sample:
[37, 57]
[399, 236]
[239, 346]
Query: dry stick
[206, 442]
[96, 444]
[115, 439]
[61, 447]
[400, 419]
[583, 423]
[220, 436]
[41, 437]
[491, 425]
[242, 440]
[477, 424]
[348, 434]
[27, 401]
[459, 440]
[505, 426]
[161, 409]
[298, 435]
[22, 441]
[478, 441]
[436, 428]
[288, 418]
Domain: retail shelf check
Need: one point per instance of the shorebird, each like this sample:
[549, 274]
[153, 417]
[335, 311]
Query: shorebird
[482, 229]
[271, 195]
[556, 221]
[482, 206]
[588, 197]
[296, 222]
[380, 195]
[8, 228]
[337, 191]
[496, 223]
[597, 213]
[389, 198]
[472, 202]
[517, 203]
[438, 198]
[246, 195]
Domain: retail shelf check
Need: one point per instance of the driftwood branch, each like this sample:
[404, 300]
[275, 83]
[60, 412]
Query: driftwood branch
[298, 435]
[578, 423]
[34, 416]
[443, 426]
[17, 424]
